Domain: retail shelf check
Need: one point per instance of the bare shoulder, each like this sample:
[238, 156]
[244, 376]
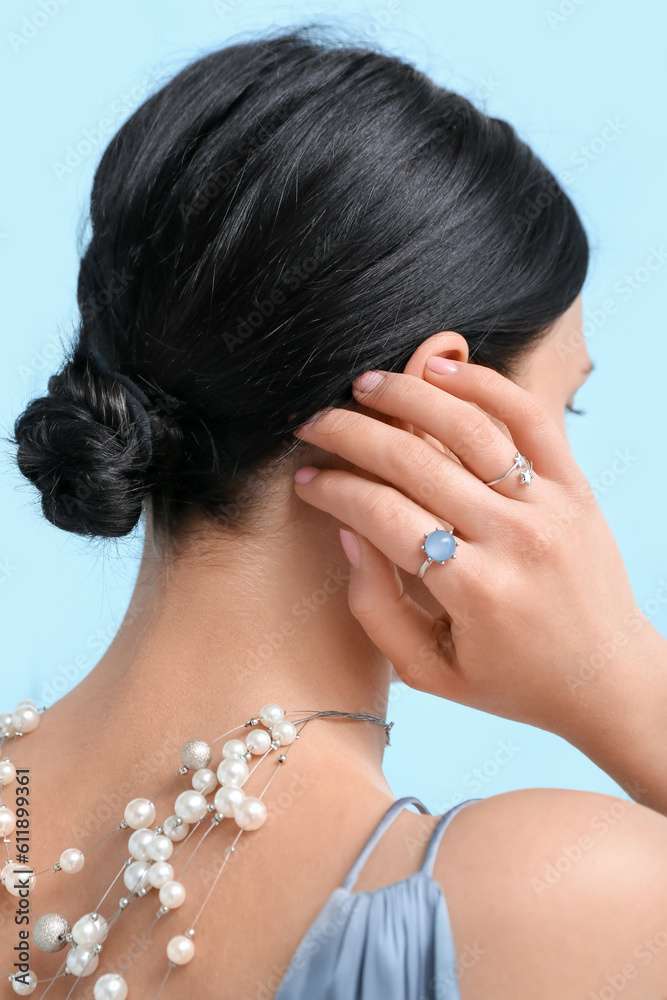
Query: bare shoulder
[558, 895]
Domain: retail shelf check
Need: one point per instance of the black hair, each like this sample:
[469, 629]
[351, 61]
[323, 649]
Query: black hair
[279, 217]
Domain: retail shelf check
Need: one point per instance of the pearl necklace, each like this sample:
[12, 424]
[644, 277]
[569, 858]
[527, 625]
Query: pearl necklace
[152, 849]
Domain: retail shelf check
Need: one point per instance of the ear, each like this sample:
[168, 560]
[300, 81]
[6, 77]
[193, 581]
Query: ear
[447, 344]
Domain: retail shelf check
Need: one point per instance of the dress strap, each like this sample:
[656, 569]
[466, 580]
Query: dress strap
[390, 815]
[436, 836]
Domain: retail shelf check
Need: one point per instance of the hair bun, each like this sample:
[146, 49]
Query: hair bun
[138, 403]
[86, 446]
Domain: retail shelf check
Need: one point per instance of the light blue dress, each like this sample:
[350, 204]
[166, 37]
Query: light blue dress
[391, 943]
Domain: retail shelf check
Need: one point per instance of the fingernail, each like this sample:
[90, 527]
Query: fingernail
[443, 366]
[305, 474]
[351, 547]
[305, 427]
[368, 381]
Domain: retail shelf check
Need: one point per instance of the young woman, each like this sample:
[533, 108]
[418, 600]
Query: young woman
[280, 219]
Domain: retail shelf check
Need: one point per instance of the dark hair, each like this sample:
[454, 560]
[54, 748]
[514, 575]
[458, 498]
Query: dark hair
[279, 217]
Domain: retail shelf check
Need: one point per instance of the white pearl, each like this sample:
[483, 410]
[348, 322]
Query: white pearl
[232, 771]
[110, 986]
[17, 878]
[25, 719]
[160, 848]
[159, 873]
[7, 821]
[172, 894]
[190, 806]
[138, 843]
[175, 831]
[89, 930]
[271, 714]
[284, 732]
[135, 876]
[233, 748]
[7, 871]
[180, 950]
[258, 741]
[204, 780]
[226, 799]
[139, 813]
[7, 771]
[71, 861]
[26, 985]
[81, 961]
[250, 814]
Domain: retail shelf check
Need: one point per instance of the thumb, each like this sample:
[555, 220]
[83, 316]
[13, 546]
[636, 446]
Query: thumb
[414, 641]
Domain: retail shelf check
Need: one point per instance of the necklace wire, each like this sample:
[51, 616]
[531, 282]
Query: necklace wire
[279, 733]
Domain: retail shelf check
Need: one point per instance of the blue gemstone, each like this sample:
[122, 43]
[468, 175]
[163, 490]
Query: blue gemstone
[440, 545]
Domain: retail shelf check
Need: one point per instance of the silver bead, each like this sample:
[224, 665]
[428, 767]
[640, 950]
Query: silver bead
[210, 807]
[49, 932]
[161, 912]
[246, 756]
[252, 722]
[282, 758]
[196, 754]
[190, 933]
[123, 901]
[159, 831]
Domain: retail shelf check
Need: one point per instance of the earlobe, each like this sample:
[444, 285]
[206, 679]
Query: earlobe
[447, 343]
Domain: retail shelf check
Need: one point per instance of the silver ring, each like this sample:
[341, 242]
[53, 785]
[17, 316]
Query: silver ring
[524, 467]
[442, 547]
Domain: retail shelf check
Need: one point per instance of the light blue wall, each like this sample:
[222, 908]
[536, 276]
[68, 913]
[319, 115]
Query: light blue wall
[582, 80]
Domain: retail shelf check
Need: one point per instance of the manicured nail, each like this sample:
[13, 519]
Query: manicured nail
[443, 366]
[368, 381]
[351, 547]
[305, 474]
[305, 427]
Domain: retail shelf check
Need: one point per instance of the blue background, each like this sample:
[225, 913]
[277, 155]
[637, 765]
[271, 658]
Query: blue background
[561, 72]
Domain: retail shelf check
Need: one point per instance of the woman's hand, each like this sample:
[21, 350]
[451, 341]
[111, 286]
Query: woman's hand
[540, 623]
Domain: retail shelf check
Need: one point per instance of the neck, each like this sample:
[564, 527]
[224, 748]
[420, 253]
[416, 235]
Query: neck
[225, 624]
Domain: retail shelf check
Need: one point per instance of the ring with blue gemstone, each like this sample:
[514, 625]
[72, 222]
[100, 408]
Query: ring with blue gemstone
[439, 546]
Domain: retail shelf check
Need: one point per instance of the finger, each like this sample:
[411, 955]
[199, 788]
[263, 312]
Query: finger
[463, 428]
[390, 521]
[439, 483]
[533, 431]
[418, 645]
